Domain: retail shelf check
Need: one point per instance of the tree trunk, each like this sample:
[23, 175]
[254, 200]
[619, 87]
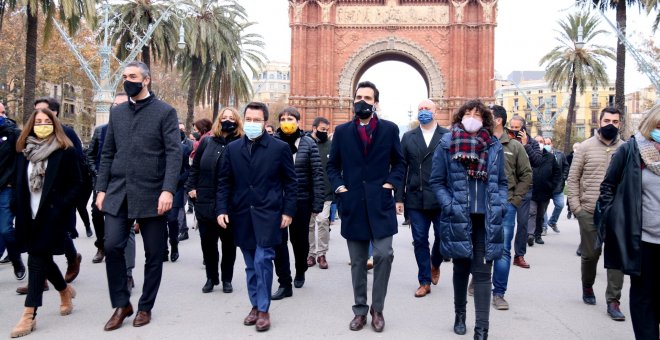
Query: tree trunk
[570, 119]
[2, 13]
[225, 90]
[619, 93]
[146, 58]
[192, 91]
[30, 62]
[216, 104]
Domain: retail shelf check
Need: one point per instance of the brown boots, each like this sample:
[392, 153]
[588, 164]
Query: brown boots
[66, 305]
[27, 323]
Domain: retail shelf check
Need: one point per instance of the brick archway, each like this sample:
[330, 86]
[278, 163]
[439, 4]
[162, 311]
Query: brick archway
[449, 42]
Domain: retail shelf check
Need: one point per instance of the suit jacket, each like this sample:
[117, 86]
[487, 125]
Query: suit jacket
[48, 232]
[141, 157]
[417, 193]
[367, 209]
[256, 186]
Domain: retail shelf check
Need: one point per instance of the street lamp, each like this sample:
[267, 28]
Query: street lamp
[579, 44]
[182, 43]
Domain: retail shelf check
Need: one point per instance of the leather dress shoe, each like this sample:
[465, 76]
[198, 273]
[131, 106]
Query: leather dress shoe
[142, 318]
[423, 290]
[323, 263]
[174, 256]
[539, 240]
[5, 260]
[520, 262]
[73, 269]
[358, 322]
[227, 287]
[377, 320]
[263, 321]
[183, 236]
[435, 275]
[480, 333]
[459, 323]
[588, 296]
[311, 261]
[117, 318]
[251, 319]
[299, 281]
[98, 258]
[24, 289]
[208, 286]
[281, 293]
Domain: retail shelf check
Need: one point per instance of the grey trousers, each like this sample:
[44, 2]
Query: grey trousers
[383, 258]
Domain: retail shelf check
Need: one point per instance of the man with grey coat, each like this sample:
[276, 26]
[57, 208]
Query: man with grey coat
[137, 179]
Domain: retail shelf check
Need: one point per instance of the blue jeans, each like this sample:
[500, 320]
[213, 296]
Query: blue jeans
[502, 265]
[259, 271]
[7, 225]
[558, 201]
[420, 222]
[333, 212]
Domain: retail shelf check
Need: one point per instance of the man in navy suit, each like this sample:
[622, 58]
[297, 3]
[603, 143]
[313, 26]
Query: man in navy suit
[257, 194]
[365, 168]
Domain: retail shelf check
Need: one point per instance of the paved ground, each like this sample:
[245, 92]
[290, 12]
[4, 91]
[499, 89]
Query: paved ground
[545, 300]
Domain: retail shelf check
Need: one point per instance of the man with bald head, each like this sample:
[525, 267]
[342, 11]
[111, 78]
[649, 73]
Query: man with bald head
[417, 197]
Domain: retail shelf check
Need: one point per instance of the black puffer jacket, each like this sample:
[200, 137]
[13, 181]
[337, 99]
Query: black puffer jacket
[546, 177]
[203, 175]
[309, 171]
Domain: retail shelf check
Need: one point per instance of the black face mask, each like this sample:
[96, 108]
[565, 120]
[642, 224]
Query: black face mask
[363, 110]
[609, 131]
[322, 136]
[196, 136]
[228, 126]
[132, 89]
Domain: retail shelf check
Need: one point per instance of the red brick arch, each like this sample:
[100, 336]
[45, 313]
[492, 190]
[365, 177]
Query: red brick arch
[449, 42]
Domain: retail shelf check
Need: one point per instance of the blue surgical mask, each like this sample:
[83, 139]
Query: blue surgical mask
[655, 134]
[253, 130]
[548, 148]
[425, 116]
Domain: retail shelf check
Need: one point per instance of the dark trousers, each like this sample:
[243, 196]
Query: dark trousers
[645, 296]
[541, 207]
[172, 230]
[299, 230]
[481, 273]
[81, 206]
[420, 223]
[41, 268]
[98, 220]
[116, 237]
[522, 214]
[70, 250]
[259, 276]
[209, 232]
[358, 252]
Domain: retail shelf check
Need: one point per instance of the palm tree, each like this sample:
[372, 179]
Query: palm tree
[69, 11]
[211, 32]
[621, 7]
[576, 68]
[136, 16]
[650, 6]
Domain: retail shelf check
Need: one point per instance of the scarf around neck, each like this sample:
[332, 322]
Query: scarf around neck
[649, 152]
[366, 132]
[291, 139]
[471, 151]
[37, 152]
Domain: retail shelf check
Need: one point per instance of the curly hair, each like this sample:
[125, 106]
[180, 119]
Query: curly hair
[486, 114]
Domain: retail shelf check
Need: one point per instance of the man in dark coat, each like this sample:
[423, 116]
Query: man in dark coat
[178, 203]
[365, 167]
[320, 223]
[419, 200]
[545, 179]
[8, 136]
[558, 194]
[257, 194]
[137, 180]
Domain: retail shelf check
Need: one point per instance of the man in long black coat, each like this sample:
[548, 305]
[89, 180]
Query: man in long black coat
[137, 180]
[365, 167]
[257, 194]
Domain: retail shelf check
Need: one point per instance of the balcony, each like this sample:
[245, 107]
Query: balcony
[594, 105]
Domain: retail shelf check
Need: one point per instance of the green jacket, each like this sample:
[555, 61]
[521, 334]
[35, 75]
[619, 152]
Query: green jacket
[517, 168]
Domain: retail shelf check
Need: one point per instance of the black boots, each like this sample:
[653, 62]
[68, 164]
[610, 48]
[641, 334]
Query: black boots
[459, 323]
[480, 333]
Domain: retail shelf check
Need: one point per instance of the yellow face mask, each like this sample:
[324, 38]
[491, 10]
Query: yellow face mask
[288, 127]
[43, 131]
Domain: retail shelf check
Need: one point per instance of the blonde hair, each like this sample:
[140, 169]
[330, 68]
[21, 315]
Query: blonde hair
[650, 122]
[216, 130]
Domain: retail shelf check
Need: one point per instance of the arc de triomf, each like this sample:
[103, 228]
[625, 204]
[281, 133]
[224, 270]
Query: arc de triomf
[333, 42]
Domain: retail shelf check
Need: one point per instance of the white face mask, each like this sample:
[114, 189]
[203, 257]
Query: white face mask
[471, 124]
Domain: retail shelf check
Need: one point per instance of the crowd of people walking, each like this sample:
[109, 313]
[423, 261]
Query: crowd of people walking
[482, 185]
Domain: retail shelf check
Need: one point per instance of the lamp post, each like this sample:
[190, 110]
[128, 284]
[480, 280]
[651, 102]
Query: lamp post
[105, 84]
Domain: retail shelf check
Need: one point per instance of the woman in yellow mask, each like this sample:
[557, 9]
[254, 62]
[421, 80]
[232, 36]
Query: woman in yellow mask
[310, 195]
[47, 182]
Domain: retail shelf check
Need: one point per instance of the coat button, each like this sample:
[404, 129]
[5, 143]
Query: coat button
[252, 207]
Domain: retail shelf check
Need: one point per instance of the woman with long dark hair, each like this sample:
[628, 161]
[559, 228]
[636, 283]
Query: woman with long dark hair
[469, 181]
[201, 187]
[48, 180]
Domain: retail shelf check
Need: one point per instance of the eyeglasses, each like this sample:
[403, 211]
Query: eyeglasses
[248, 120]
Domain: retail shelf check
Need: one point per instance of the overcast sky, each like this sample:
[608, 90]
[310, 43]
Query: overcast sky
[526, 30]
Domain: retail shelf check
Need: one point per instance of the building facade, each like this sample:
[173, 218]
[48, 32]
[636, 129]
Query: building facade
[273, 84]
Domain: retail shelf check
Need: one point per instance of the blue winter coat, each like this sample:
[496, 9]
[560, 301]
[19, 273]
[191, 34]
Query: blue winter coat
[449, 182]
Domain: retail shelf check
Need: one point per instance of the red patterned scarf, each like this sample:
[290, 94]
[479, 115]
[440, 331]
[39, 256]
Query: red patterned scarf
[471, 150]
[366, 132]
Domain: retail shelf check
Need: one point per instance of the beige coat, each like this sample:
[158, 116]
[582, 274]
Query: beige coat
[588, 169]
